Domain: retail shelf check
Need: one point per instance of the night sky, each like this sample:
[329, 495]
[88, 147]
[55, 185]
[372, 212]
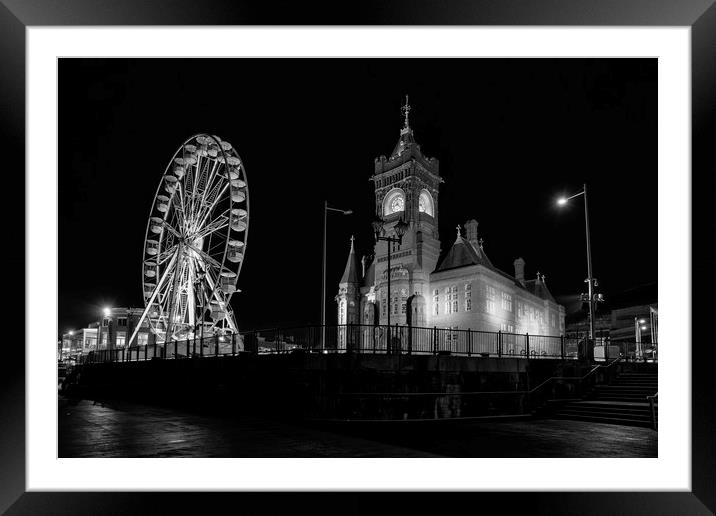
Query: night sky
[511, 135]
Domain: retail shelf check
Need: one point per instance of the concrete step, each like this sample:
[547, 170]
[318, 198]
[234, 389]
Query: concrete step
[624, 388]
[605, 415]
[605, 408]
[609, 420]
[633, 400]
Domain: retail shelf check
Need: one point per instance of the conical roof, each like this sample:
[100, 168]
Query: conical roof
[462, 253]
[539, 288]
[350, 274]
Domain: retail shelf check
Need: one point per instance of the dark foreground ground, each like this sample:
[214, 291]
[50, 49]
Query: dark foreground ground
[121, 429]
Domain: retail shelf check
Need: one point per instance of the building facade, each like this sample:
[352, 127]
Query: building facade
[118, 324]
[463, 290]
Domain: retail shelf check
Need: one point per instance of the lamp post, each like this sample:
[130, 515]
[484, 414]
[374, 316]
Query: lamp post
[590, 279]
[400, 228]
[326, 209]
[197, 283]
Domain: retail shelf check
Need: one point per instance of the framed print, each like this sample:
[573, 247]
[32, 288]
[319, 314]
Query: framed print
[431, 176]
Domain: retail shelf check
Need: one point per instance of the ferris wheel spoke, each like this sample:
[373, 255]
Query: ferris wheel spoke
[206, 212]
[208, 259]
[172, 229]
[168, 253]
[218, 224]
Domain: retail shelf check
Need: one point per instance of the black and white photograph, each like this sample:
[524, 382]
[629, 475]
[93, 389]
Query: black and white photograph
[357, 257]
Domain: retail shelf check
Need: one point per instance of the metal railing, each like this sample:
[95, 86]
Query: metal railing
[354, 338]
[652, 410]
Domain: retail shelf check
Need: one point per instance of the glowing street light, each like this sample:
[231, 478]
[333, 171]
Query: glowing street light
[107, 311]
[562, 201]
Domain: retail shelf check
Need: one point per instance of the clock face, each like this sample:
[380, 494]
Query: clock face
[394, 202]
[425, 203]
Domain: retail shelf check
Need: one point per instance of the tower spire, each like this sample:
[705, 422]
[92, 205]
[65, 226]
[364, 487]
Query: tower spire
[406, 110]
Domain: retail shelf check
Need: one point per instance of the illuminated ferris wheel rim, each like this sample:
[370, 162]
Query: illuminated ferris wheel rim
[196, 239]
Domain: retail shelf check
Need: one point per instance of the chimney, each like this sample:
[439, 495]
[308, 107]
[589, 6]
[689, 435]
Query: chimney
[520, 270]
[471, 233]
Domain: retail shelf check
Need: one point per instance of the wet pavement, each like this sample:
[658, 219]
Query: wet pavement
[121, 429]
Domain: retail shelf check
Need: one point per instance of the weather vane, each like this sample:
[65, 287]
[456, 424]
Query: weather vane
[406, 109]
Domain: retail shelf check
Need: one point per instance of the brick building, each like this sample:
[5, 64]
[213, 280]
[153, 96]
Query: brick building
[462, 290]
[117, 326]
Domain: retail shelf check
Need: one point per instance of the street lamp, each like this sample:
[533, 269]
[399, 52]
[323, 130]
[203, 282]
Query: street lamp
[400, 228]
[590, 279]
[200, 275]
[326, 209]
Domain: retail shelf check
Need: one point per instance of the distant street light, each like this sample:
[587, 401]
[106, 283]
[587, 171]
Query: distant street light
[326, 209]
[107, 311]
[590, 279]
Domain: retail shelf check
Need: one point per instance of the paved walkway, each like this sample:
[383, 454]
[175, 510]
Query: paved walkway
[93, 429]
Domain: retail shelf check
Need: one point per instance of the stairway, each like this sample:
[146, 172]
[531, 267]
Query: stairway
[622, 402]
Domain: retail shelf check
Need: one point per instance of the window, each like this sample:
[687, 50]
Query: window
[506, 301]
[436, 302]
[142, 338]
[520, 309]
[104, 338]
[451, 305]
[489, 306]
[403, 305]
[105, 322]
[121, 339]
[468, 297]
[490, 291]
[553, 320]
[507, 328]
[122, 321]
[342, 312]
[395, 306]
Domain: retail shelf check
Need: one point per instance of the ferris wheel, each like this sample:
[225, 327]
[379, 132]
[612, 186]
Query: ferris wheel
[195, 242]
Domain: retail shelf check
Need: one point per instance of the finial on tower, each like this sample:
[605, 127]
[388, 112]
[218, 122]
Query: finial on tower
[479, 242]
[352, 241]
[406, 109]
[458, 231]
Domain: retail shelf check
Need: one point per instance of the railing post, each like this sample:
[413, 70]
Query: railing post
[146, 351]
[469, 342]
[233, 344]
[435, 340]
[154, 353]
[216, 345]
[527, 344]
[201, 346]
[499, 343]
[561, 346]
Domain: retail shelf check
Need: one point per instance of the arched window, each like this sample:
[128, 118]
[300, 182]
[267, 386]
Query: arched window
[394, 202]
[425, 203]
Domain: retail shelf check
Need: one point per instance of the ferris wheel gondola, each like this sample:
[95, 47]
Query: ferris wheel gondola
[195, 242]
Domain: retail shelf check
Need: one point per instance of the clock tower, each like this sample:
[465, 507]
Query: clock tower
[406, 187]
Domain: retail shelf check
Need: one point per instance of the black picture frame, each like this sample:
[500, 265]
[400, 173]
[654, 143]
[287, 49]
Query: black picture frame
[699, 15]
